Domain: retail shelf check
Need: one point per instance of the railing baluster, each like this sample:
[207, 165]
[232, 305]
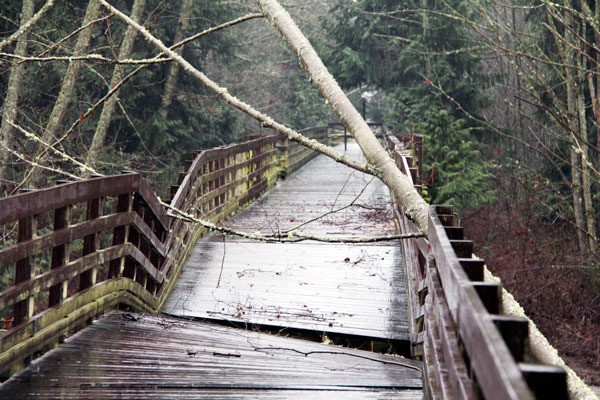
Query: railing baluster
[120, 236]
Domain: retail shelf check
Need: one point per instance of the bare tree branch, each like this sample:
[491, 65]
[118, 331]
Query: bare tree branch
[240, 105]
[33, 137]
[24, 158]
[284, 237]
[87, 57]
[27, 25]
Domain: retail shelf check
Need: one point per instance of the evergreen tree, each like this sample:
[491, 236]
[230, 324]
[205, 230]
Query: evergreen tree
[427, 63]
[454, 168]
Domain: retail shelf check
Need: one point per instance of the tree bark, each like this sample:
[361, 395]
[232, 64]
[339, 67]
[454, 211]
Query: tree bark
[67, 88]
[109, 106]
[584, 149]
[10, 110]
[569, 57]
[414, 205]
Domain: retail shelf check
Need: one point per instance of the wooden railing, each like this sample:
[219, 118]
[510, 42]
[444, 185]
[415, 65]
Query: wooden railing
[217, 183]
[80, 248]
[77, 249]
[469, 348]
[294, 155]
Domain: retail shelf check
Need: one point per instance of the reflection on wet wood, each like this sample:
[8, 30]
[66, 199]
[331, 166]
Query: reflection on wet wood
[124, 356]
[344, 289]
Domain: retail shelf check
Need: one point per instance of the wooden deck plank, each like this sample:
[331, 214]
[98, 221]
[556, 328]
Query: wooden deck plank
[326, 287]
[302, 286]
[160, 357]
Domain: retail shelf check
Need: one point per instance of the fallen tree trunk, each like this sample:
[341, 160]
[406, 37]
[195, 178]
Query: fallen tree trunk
[415, 207]
[224, 94]
[379, 162]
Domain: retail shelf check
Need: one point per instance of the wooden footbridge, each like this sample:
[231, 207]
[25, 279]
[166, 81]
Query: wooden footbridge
[115, 295]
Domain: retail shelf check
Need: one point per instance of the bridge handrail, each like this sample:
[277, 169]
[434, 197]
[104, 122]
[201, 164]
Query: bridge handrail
[74, 244]
[81, 248]
[295, 155]
[217, 183]
[452, 307]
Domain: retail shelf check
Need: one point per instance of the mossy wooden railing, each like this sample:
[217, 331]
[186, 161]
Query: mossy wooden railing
[77, 249]
[294, 155]
[469, 348]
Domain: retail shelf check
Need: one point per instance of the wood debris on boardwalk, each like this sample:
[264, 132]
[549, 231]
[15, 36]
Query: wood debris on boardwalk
[127, 356]
[337, 288]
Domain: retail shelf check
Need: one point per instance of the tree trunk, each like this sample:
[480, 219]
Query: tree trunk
[576, 185]
[171, 83]
[173, 74]
[584, 148]
[109, 106]
[11, 107]
[224, 94]
[67, 88]
[569, 56]
[414, 205]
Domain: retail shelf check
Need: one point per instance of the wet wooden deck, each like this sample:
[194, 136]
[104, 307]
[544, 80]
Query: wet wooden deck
[331, 288]
[317, 289]
[128, 356]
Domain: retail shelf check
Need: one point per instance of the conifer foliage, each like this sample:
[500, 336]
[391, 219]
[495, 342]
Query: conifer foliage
[426, 63]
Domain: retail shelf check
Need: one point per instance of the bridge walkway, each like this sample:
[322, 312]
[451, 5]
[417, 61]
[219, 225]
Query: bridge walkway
[353, 290]
[325, 291]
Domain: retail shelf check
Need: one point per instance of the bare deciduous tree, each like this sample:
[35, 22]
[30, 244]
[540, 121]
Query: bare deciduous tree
[13, 91]
[118, 74]
[69, 81]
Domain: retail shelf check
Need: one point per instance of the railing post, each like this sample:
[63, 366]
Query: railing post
[283, 154]
[133, 236]
[345, 138]
[222, 181]
[58, 292]
[23, 310]
[211, 186]
[230, 177]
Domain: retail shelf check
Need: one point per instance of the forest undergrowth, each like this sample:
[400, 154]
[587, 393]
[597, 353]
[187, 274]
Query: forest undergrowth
[537, 259]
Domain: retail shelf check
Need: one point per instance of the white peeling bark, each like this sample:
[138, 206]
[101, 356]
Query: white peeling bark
[415, 207]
